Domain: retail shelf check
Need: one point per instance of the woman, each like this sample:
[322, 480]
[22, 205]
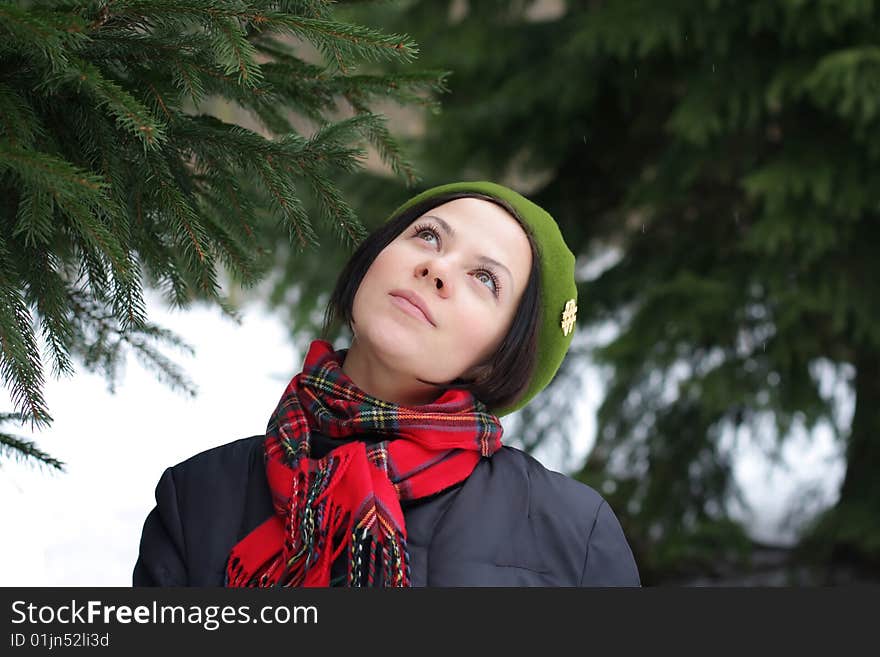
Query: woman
[382, 464]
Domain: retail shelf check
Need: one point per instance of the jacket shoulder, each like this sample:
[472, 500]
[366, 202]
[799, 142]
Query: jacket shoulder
[214, 486]
[578, 515]
[228, 457]
[202, 506]
[553, 490]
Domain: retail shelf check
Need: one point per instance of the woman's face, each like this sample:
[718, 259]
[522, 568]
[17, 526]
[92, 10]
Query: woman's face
[444, 257]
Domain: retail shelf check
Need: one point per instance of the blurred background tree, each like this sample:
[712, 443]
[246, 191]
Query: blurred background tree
[118, 173]
[718, 162]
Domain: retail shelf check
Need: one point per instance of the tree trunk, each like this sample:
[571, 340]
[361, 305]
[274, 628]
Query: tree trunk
[850, 531]
[862, 481]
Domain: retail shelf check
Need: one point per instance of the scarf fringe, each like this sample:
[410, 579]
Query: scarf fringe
[385, 557]
[377, 553]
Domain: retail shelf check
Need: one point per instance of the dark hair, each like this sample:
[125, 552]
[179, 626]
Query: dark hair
[503, 380]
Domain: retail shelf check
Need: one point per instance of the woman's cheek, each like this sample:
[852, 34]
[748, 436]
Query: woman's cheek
[472, 331]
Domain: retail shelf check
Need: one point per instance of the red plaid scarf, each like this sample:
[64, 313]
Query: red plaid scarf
[348, 502]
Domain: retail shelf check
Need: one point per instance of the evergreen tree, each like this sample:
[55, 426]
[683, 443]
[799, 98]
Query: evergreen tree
[114, 174]
[728, 154]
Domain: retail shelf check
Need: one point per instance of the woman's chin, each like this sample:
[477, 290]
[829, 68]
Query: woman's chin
[393, 343]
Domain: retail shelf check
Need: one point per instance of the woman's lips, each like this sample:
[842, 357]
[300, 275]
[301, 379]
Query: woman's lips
[409, 308]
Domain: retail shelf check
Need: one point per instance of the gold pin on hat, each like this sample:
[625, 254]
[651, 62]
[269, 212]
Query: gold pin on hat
[568, 316]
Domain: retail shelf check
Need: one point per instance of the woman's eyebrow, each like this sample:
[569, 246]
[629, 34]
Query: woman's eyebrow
[445, 226]
[486, 260]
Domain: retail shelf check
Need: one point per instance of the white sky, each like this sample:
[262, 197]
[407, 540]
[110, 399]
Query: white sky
[82, 528]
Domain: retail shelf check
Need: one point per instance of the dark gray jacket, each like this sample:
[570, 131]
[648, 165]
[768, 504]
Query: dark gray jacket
[511, 523]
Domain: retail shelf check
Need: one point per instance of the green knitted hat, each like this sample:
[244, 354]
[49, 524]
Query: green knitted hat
[558, 288]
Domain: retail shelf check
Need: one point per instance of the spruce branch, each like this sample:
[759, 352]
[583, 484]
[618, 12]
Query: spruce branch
[26, 451]
[235, 54]
[47, 291]
[343, 43]
[33, 221]
[19, 123]
[406, 88]
[379, 135]
[286, 203]
[337, 212]
[52, 172]
[226, 195]
[48, 34]
[20, 365]
[130, 114]
[101, 342]
[190, 238]
[127, 294]
[165, 369]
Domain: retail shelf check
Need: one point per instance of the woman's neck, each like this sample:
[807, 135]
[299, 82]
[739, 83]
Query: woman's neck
[377, 379]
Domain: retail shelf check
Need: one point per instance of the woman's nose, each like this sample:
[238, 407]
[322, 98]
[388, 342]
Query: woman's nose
[437, 279]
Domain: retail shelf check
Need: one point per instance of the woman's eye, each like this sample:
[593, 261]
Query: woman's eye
[488, 279]
[427, 232]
